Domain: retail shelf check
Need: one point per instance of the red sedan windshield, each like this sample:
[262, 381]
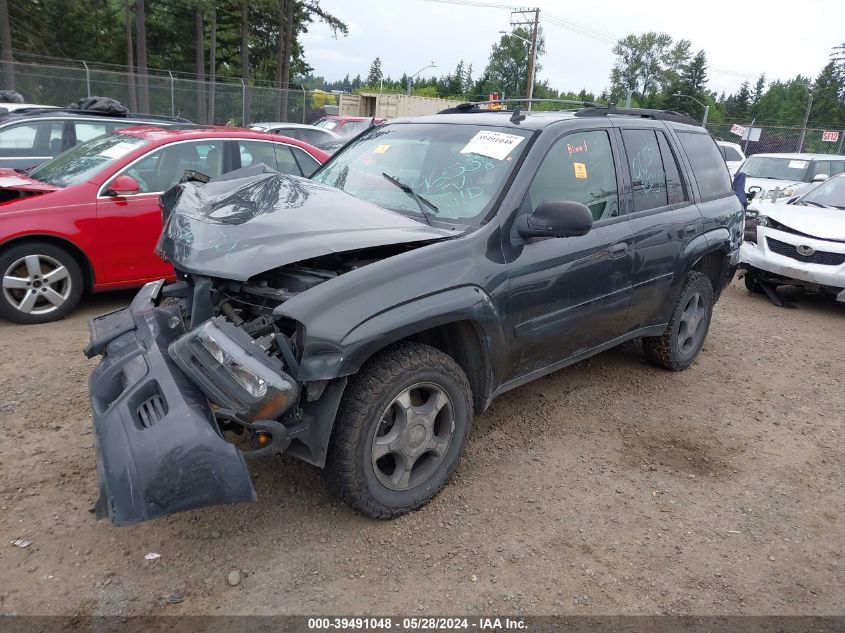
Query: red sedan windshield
[84, 161]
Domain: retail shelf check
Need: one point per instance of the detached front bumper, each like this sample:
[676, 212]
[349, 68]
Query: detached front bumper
[159, 449]
[777, 252]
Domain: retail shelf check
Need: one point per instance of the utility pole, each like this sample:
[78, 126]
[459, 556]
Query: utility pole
[806, 117]
[524, 19]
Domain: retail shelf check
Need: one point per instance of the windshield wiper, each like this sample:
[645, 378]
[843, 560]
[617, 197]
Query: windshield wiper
[814, 203]
[421, 202]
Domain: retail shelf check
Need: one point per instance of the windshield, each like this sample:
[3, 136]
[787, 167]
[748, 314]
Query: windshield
[776, 168]
[831, 193]
[458, 168]
[86, 160]
[351, 128]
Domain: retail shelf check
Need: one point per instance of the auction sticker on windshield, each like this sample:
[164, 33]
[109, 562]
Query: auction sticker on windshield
[492, 144]
[797, 164]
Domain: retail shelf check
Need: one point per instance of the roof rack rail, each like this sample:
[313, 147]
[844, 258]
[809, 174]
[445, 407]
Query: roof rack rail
[644, 113]
[472, 106]
[113, 115]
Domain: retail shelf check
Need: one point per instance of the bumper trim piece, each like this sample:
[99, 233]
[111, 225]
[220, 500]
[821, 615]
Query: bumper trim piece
[177, 462]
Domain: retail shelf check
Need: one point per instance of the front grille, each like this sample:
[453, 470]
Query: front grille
[151, 410]
[818, 257]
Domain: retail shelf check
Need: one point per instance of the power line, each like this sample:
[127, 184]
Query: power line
[586, 31]
[472, 3]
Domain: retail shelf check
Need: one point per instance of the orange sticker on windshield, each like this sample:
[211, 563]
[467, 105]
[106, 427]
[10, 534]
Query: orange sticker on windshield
[381, 149]
[580, 170]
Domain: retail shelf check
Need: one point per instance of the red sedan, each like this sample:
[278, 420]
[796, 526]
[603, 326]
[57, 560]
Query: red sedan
[90, 218]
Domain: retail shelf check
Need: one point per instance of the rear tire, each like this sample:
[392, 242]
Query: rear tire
[400, 432]
[40, 283]
[680, 344]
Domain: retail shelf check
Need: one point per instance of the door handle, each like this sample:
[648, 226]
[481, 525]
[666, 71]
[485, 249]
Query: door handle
[690, 229]
[617, 250]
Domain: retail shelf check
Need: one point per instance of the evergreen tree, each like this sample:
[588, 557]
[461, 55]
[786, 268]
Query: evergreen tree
[759, 90]
[689, 87]
[739, 105]
[828, 108]
[454, 84]
[375, 75]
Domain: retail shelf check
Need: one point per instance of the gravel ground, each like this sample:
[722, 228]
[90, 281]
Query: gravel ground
[608, 487]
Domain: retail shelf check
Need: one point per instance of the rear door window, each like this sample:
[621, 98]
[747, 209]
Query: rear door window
[314, 137]
[708, 167]
[307, 163]
[85, 131]
[731, 154]
[648, 176]
[676, 190]
[256, 152]
[284, 159]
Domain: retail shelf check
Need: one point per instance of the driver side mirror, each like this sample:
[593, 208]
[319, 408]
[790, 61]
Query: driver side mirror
[555, 218]
[820, 177]
[123, 186]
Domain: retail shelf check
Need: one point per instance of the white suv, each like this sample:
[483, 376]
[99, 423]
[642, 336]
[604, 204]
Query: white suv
[781, 177]
[733, 155]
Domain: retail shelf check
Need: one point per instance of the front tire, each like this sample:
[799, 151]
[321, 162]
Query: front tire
[680, 343]
[40, 283]
[401, 429]
[750, 279]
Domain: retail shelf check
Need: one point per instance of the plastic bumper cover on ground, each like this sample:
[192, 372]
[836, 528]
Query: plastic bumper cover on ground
[761, 257]
[159, 450]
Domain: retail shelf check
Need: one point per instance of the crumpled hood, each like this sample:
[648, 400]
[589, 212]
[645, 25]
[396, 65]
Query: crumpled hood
[255, 219]
[826, 224]
[11, 179]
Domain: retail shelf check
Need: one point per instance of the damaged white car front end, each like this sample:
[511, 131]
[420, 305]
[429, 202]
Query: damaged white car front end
[797, 244]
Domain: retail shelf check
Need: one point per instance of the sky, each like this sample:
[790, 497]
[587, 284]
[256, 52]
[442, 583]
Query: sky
[741, 39]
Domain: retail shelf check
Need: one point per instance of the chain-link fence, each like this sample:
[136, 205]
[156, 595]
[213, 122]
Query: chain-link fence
[782, 138]
[232, 100]
[227, 100]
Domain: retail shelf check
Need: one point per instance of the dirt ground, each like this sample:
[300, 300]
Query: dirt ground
[608, 487]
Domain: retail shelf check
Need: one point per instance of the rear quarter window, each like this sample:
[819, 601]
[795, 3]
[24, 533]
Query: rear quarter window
[708, 166]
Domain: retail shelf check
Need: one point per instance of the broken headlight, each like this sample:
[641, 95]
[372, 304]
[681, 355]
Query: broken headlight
[234, 372]
[255, 385]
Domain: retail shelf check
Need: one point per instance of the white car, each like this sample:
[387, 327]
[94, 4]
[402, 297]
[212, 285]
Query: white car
[733, 155]
[780, 177]
[799, 243]
[6, 108]
[311, 134]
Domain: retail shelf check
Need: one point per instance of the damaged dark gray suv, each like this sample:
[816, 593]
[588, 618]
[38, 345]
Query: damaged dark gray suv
[359, 319]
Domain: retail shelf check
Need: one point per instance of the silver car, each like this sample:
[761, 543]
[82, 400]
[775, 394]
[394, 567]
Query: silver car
[311, 134]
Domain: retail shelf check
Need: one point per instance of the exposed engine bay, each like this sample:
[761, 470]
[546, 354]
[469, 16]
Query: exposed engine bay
[246, 359]
[250, 304]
